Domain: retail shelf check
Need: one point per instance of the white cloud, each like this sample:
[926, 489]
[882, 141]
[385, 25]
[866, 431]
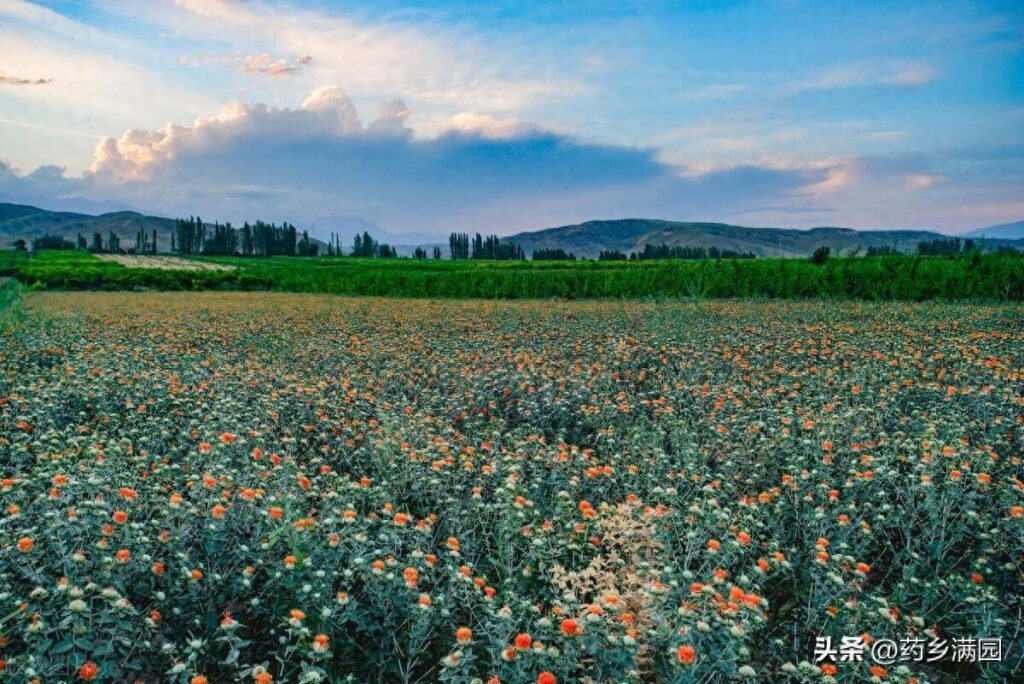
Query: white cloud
[433, 64]
[882, 73]
[320, 160]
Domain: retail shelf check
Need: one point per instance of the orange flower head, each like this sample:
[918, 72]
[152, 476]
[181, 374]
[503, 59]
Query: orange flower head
[523, 641]
[570, 627]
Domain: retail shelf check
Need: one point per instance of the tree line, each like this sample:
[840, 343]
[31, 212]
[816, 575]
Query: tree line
[460, 246]
[664, 251]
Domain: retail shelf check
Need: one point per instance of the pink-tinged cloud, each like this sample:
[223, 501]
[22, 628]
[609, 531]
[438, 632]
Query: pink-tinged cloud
[481, 172]
[265, 64]
[8, 79]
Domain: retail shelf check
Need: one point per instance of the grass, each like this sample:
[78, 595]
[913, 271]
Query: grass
[976, 277]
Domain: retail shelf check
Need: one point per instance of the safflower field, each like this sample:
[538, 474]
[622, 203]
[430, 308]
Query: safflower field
[210, 487]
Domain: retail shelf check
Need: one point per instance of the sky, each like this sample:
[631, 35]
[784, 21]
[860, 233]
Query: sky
[417, 118]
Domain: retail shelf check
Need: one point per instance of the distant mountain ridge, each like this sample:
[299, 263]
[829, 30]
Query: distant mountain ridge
[586, 239]
[21, 221]
[27, 222]
[1004, 231]
[631, 235]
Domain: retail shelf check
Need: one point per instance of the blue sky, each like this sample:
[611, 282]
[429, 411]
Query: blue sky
[422, 117]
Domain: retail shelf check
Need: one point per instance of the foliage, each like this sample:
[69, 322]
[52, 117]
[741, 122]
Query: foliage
[552, 255]
[491, 247]
[11, 309]
[976, 276]
[821, 255]
[663, 251]
[52, 242]
[365, 246]
[945, 247]
[297, 489]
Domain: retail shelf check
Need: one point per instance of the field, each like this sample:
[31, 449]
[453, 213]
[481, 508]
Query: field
[974, 277]
[285, 488]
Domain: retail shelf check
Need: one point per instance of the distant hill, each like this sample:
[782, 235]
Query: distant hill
[583, 239]
[22, 221]
[1005, 231]
[630, 235]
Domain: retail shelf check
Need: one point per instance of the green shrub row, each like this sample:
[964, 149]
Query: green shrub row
[991, 277]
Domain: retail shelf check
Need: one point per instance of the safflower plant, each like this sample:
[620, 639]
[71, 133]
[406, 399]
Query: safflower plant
[283, 488]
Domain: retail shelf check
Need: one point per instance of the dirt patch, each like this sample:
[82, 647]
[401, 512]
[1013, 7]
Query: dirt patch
[163, 263]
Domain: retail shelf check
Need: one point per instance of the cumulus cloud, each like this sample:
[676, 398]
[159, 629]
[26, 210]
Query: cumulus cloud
[322, 160]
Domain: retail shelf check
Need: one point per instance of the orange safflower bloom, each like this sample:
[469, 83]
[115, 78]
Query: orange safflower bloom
[714, 544]
[275, 512]
[523, 641]
[88, 671]
[686, 654]
[120, 517]
[546, 678]
[463, 635]
[123, 556]
[570, 627]
[412, 576]
[158, 568]
[218, 511]
[828, 669]
[199, 679]
[26, 544]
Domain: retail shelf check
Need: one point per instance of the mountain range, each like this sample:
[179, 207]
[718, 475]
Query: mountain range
[630, 235]
[584, 239]
[25, 222]
[1004, 231]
